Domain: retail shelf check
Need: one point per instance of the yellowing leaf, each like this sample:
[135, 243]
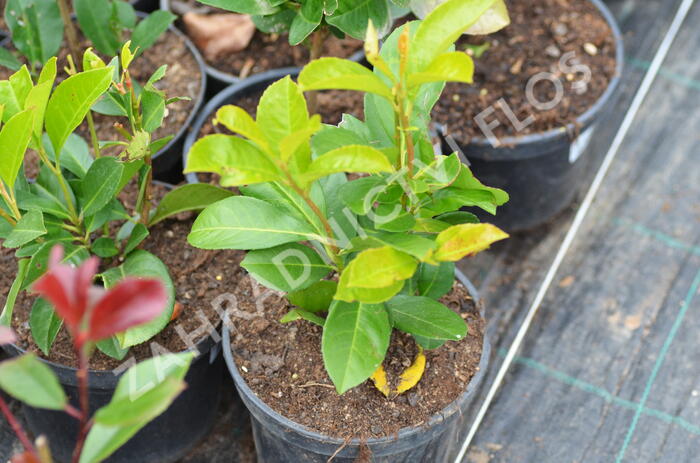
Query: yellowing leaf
[238, 121]
[380, 382]
[351, 158]
[454, 66]
[379, 268]
[412, 374]
[466, 239]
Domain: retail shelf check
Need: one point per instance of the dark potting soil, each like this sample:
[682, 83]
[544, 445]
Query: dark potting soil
[182, 79]
[540, 34]
[199, 277]
[272, 51]
[332, 104]
[283, 365]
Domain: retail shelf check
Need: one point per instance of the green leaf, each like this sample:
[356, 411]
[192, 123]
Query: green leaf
[355, 340]
[442, 27]
[238, 161]
[282, 111]
[130, 169]
[6, 314]
[467, 239]
[14, 139]
[94, 17]
[29, 380]
[427, 343]
[143, 264]
[99, 185]
[44, 324]
[305, 21]
[454, 66]
[336, 73]
[104, 247]
[288, 267]
[9, 60]
[426, 317]
[125, 14]
[299, 314]
[75, 156]
[246, 223]
[359, 195]
[353, 158]
[150, 29]
[153, 106]
[238, 121]
[352, 16]
[194, 197]
[111, 347]
[316, 298]
[466, 181]
[71, 101]
[378, 268]
[261, 7]
[36, 28]
[452, 198]
[434, 281]
[458, 217]
[415, 245]
[29, 227]
[143, 393]
[138, 234]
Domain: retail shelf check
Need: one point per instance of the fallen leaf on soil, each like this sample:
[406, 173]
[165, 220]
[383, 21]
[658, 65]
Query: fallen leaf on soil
[177, 311]
[219, 34]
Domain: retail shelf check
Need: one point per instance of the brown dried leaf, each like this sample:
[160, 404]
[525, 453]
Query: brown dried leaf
[219, 34]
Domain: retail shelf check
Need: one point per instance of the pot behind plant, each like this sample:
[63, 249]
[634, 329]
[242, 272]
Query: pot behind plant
[280, 440]
[165, 439]
[541, 172]
[145, 5]
[230, 95]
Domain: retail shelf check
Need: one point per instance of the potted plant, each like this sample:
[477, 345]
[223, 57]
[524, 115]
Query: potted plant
[262, 36]
[92, 314]
[364, 262]
[543, 86]
[108, 206]
[106, 25]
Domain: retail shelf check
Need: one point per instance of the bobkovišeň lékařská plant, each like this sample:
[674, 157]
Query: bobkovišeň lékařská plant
[37, 28]
[92, 314]
[391, 237]
[74, 200]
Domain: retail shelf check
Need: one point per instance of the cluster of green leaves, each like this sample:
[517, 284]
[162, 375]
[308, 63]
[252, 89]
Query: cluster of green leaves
[391, 236]
[144, 392]
[37, 28]
[74, 200]
[300, 18]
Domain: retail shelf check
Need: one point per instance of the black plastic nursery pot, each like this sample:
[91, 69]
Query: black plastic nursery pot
[145, 5]
[230, 95]
[220, 79]
[541, 172]
[165, 439]
[280, 440]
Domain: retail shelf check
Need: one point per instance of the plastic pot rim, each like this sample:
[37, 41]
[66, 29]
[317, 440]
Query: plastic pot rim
[407, 432]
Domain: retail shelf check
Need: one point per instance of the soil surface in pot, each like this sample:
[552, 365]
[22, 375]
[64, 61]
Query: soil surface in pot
[267, 51]
[199, 277]
[283, 365]
[332, 104]
[182, 79]
[540, 34]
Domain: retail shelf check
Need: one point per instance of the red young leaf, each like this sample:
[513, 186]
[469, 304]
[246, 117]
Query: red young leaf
[25, 457]
[6, 335]
[131, 302]
[67, 287]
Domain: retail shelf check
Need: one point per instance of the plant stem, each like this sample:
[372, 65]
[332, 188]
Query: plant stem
[318, 38]
[84, 398]
[56, 170]
[71, 33]
[7, 217]
[11, 203]
[147, 193]
[93, 135]
[17, 428]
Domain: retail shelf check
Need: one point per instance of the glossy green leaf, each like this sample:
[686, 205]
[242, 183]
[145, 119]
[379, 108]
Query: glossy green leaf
[434, 281]
[143, 264]
[299, 314]
[94, 17]
[352, 16]
[288, 267]
[238, 121]
[36, 28]
[246, 223]
[316, 298]
[153, 108]
[193, 197]
[150, 29]
[352, 158]
[305, 21]
[8, 308]
[14, 139]
[454, 66]
[237, 161]
[360, 194]
[261, 7]
[464, 240]
[355, 340]
[282, 111]
[29, 380]
[415, 245]
[143, 393]
[71, 101]
[112, 348]
[336, 73]
[426, 317]
[104, 247]
[138, 234]
[8, 60]
[45, 324]
[99, 185]
[29, 227]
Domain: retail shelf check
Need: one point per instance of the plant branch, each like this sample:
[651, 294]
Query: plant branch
[93, 135]
[17, 428]
[56, 170]
[11, 203]
[147, 195]
[318, 39]
[71, 32]
[85, 423]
